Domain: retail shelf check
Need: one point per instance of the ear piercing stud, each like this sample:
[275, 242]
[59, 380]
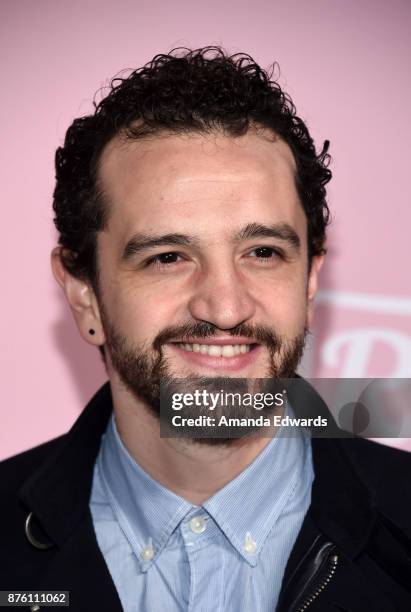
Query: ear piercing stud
[91, 332]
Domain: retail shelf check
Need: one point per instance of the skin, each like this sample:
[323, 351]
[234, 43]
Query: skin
[210, 188]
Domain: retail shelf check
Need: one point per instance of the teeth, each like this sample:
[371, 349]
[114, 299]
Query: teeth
[227, 351]
[214, 350]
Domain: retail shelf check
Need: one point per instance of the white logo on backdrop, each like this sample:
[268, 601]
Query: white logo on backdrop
[351, 350]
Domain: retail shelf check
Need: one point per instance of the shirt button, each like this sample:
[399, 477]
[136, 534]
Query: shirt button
[147, 553]
[249, 545]
[198, 524]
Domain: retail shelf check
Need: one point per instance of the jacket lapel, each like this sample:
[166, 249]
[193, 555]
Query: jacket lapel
[57, 495]
[79, 567]
[58, 492]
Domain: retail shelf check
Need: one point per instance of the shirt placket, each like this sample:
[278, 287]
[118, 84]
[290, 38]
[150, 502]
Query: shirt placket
[206, 561]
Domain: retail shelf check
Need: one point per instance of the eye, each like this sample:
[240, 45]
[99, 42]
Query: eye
[265, 253]
[164, 259]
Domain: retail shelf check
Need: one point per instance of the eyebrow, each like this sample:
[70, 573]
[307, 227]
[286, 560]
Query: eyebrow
[139, 242]
[143, 242]
[281, 231]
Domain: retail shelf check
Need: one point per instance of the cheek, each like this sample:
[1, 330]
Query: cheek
[286, 307]
[141, 314]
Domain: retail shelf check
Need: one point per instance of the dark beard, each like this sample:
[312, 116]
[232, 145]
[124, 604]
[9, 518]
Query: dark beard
[144, 375]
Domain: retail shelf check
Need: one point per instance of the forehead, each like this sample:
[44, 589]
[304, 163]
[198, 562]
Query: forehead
[176, 180]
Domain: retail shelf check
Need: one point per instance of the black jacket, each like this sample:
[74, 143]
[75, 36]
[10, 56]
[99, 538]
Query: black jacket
[353, 552]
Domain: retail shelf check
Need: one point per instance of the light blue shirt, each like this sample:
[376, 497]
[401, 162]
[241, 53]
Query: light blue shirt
[229, 554]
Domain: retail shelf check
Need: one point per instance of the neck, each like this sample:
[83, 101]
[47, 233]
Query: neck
[191, 470]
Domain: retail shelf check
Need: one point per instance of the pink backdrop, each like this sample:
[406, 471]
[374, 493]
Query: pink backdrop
[347, 66]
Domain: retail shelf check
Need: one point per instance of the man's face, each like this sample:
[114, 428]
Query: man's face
[203, 267]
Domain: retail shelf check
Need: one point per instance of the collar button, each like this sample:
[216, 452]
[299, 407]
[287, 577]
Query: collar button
[249, 545]
[147, 553]
[198, 524]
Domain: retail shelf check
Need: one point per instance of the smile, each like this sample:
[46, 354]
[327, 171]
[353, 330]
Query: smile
[223, 354]
[215, 350]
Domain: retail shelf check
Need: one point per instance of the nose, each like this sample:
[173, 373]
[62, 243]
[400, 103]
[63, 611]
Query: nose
[222, 298]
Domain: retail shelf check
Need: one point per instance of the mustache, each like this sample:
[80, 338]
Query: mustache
[202, 329]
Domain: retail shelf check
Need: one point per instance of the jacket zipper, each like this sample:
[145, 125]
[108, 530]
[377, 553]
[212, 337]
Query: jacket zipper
[333, 558]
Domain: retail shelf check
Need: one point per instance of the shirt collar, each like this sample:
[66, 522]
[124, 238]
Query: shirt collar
[142, 506]
[254, 500]
[245, 510]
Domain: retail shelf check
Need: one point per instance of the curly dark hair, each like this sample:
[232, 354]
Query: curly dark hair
[184, 91]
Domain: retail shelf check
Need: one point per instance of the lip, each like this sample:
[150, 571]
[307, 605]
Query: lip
[221, 364]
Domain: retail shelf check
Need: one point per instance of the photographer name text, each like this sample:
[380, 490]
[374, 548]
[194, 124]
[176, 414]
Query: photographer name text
[260, 421]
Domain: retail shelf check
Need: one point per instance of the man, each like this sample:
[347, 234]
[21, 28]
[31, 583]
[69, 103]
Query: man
[191, 210]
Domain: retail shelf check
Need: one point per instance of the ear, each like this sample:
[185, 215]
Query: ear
[312, 286]
[82, 300]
